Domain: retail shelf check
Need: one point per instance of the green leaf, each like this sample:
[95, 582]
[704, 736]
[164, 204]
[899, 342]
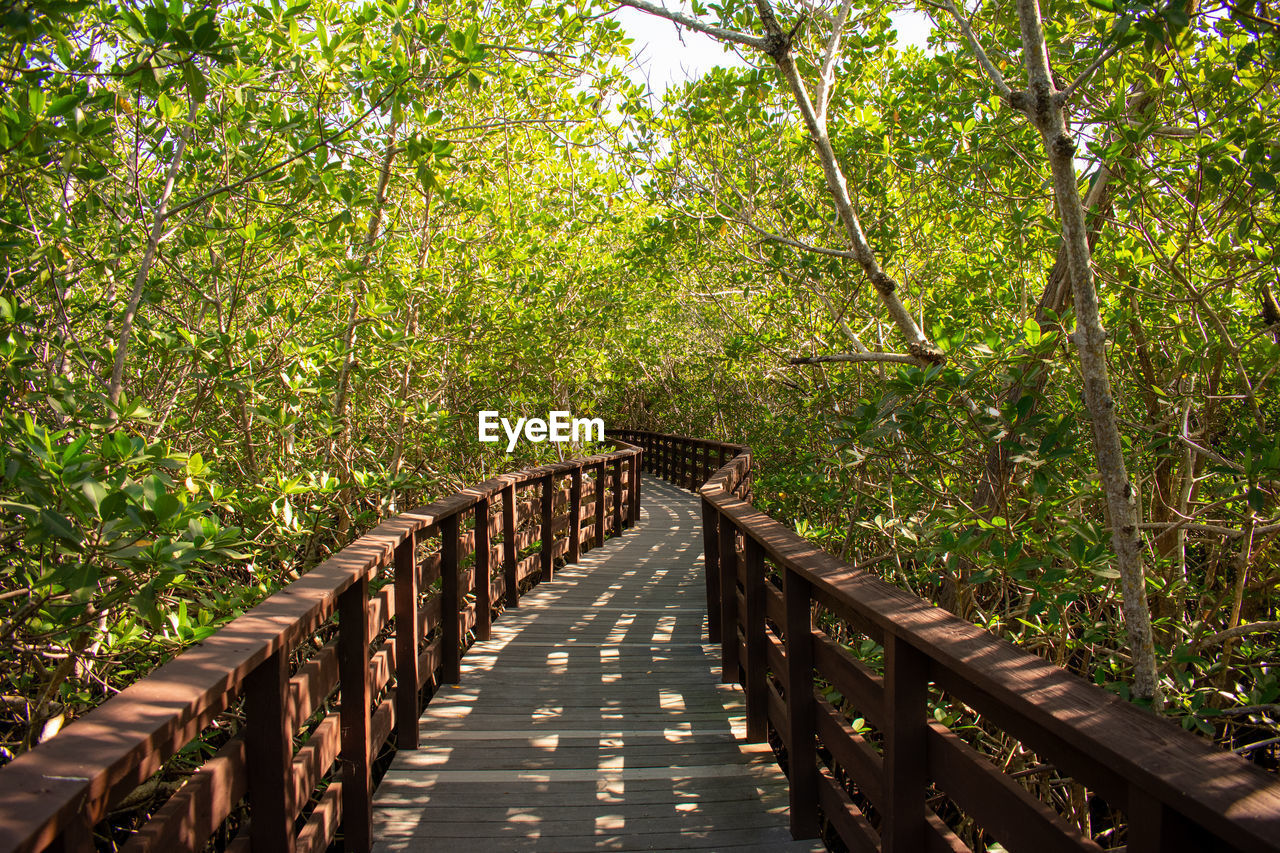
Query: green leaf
[1257, 499]
[95, 493]
[60, 527]
[196, 84]
[165, 507]
[205, 35]
[1032, 330]
[157, 22]
[72, 450]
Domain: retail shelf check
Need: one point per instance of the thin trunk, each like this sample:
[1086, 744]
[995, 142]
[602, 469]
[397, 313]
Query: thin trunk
[776, 44]
[424, 249]
[815, 120]
[1044, 107]
[353, 312]
[116, 385]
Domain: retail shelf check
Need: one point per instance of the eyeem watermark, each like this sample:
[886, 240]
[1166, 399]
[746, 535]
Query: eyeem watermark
[558, 427]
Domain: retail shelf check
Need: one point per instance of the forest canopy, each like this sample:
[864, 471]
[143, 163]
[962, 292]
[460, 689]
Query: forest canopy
[999, 317]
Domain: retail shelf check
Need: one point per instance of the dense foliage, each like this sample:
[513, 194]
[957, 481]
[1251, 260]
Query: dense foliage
[973, 482]
[263, 264]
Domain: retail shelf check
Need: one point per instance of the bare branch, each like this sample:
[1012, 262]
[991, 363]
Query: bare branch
[839, 318]
[997, 78]
[1045, 112]
[795, 244]
[776, 43]
[1244, 710]
[1240, 750]
[1170, 526]
[116, 385]
[1204, 451]
[1066, 94]
[889, 357]
[261, 173]
[827, 76]
[698, 26]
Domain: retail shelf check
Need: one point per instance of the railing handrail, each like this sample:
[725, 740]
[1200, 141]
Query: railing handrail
[73, 780]
[1160, 775]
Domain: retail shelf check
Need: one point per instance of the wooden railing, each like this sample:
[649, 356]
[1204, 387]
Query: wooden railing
[882, 787]
[270, 677]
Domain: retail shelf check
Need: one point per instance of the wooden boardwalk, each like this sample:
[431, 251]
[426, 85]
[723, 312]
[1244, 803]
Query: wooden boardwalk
[594, 719]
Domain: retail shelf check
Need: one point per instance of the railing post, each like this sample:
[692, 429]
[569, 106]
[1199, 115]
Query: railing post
[357, 695]
[599, 507]
[482, 580]
[628, 464]
[511, 586]
[905, 738]
[450, 601]
[683, 481]
[757, 686]
[269, 747]
[617, 496]
[711, 566]
[802, 769]
[575, 516]
[407, 630]
[74, 837]
[638, 468]
[728, 601]
[1153, 827]
[545, 530]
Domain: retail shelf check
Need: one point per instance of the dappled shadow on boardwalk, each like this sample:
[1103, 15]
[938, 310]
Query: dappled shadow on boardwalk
[593, 719]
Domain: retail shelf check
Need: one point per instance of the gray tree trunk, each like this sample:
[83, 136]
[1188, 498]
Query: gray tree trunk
[1043, 105]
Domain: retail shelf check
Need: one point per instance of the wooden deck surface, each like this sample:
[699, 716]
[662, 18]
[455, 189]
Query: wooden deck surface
[593, 719]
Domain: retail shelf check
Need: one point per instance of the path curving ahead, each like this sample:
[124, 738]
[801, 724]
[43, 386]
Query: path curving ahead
[594, 719]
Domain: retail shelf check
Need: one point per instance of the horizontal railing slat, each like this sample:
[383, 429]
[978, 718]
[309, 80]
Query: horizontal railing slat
[851, 751]
[1001, 806]
[852, 825]
[861, 687]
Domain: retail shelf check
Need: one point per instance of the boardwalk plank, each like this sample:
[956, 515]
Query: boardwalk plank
[592, 719]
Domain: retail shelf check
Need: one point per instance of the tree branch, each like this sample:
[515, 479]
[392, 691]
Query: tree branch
[887, 357]
[1066, 94]
[269, 169]
[698, 26]
[827, 76]
[116, 385]
[770, 237]
[997, 78]
[1232, 633]
[1244, 710]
